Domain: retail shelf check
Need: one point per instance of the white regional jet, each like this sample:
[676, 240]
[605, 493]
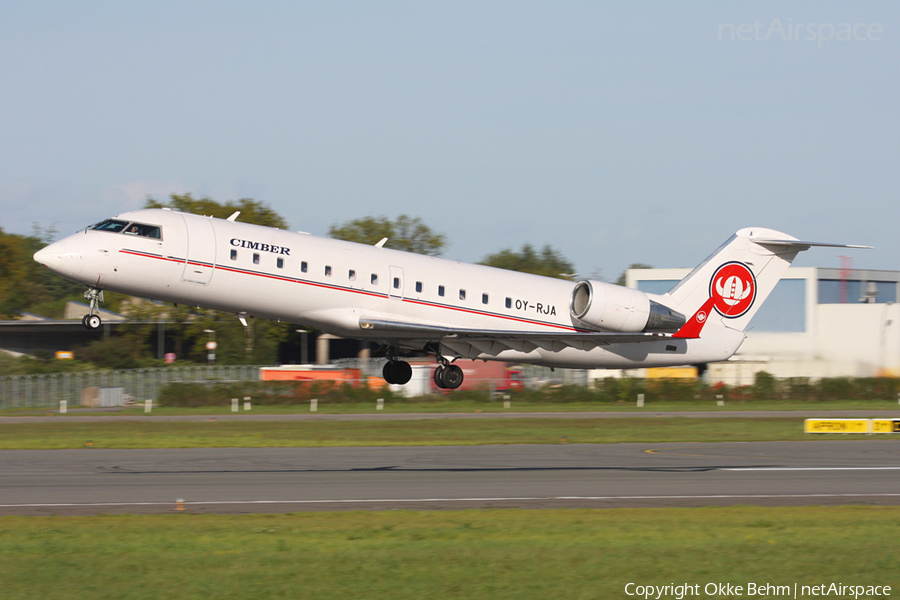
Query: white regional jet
[415, 303]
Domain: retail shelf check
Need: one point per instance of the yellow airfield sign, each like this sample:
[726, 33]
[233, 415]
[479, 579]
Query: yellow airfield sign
[851, 426]
[885, 425]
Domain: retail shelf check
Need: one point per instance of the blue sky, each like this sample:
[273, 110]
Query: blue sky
[616, 132]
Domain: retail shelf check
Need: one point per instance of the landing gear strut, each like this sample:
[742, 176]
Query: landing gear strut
[90, 320]
[396, 371]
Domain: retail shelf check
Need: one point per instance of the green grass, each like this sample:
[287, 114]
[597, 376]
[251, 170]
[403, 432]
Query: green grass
[151, 433]
[496, 554]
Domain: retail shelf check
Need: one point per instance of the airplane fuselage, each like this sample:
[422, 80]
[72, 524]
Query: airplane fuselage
[337, 287]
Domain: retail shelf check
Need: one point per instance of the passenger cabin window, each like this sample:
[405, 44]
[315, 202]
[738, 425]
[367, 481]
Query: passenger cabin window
[419, 287]
[374, 279]
[233, 254]
[484, 298]
[279, 263]
[462, 294]
[352, 275]
[440, 290]
[508, 302]
[327, 271]
[255, 258]
[303, 267]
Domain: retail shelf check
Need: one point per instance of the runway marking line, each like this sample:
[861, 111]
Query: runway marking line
[664, 452]
[808, 468]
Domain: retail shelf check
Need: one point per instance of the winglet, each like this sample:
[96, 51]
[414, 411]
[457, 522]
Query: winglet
[691, 329]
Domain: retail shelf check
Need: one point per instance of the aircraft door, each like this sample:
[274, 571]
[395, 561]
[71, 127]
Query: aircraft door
[201, 250]
[396, 283]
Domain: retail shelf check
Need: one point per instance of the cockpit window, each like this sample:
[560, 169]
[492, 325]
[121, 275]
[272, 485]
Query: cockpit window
[139, 229]
[150, 231]
[110, 225]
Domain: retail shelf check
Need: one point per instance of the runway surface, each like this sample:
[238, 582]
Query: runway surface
[239, 480]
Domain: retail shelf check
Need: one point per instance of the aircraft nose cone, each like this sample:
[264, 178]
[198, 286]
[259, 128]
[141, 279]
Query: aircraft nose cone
[52, 256]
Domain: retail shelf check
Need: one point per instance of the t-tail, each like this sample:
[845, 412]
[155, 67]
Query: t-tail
[727, 289]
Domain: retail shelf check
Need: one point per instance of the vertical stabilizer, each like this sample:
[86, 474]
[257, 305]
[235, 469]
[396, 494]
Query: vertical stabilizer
[729, 287]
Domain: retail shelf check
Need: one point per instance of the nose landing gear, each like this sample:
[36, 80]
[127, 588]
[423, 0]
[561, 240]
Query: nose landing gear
[90, 320]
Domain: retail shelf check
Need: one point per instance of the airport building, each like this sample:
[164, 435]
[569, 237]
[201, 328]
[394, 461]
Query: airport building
[816, 323]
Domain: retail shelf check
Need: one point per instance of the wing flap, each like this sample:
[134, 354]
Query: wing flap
[494, 341]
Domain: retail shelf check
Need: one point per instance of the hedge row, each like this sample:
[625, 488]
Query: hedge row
[764, 387]
[265, 393]
[610, 390]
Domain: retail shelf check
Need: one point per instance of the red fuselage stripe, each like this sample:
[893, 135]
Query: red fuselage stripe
[350, 290]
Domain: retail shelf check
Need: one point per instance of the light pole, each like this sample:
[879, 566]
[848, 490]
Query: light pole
[211, 346]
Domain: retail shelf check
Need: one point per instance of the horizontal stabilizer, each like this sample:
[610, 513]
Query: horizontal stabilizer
[802, 244]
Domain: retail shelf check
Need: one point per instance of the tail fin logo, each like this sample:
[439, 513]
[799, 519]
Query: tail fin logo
[733, 289]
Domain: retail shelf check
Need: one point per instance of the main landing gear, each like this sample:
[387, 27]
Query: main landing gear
[90, 320]
[448, 376]
[397, 372]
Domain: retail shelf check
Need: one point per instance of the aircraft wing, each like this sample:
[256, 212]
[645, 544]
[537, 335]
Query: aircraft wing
[486, 341]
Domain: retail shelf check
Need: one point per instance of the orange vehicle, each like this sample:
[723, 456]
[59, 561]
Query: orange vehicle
[311, 381]
[308, 373]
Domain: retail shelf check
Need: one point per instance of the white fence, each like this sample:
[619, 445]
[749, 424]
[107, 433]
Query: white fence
[46, 390]
[138, 385]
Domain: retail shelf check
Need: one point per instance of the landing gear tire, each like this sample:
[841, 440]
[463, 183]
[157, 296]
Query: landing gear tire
[397, 372]
[90, 320]
[402, 372]
[448, 377]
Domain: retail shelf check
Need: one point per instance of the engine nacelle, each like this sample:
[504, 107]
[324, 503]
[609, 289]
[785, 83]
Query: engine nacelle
[606, 307]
